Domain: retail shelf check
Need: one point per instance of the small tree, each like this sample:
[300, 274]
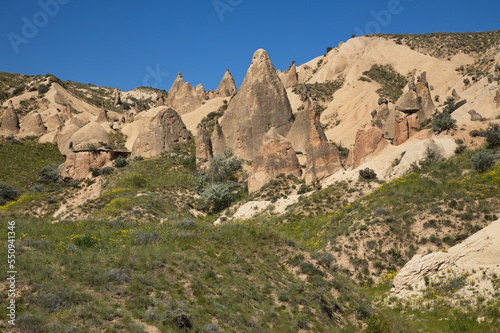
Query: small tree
[48, 175]
[224, 167]
[451, 106]
[120, 162]
[443, 122]
[492, 135]
[367, 174]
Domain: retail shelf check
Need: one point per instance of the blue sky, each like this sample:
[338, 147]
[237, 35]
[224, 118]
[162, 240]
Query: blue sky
[134, 43]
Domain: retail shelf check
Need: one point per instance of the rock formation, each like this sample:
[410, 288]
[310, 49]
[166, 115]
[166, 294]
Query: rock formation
[32, 125]
[63, 136]
[160, 100]
[116, 95]
[276, 156]
[162, 133]
[200, 91]
[491, 78]
[497, 96]
[69, 114]
[90, 135]
[10, 121]
[226, 88]
[290, 76]
[261, 103]
[298, 134]
[369, 139]
[466, 83]
[474, 116]
[218, 139]
[405, 125]
[322, 156]
[78, 164]
[381, 118]
[103, 116]
[203, 145]
[427, 106]
[54, 122]
[182, 97]
[455, 95]
[477, 257]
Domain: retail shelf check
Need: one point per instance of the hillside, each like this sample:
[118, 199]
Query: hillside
[134, 210]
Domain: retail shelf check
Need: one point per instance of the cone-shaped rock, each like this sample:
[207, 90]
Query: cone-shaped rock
[200, 91]
[298, 134]
[218, 139]
[54, 122]
[261, 103]
[90, 135]
[290, 76]
[368, 140]
[103, 116]
[226, 88]
[427, 106]
[276, 156]
[10, 121]
[322, 156]
[182, 96]
[33, 125]
[162, 133]
[63, 136]
[203, 145]
[160, 100]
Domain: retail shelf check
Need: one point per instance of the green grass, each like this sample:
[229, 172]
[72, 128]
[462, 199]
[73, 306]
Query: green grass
[23, 159]
[391, 81]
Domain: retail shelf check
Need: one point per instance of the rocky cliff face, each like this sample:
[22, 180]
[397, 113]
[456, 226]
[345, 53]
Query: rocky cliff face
[162, 133]
[368, 140]
[227, 87]
[182, 97]
[203, 146]
[261, 103]
[10, 121]
[276, 156]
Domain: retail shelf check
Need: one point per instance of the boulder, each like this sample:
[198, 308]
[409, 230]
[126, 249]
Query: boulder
[322, 157]
[218, 139]
[182, 96]
[226, 87]
[90, 135]
[32, 125]
[477, 257]
[203, 145]
[276, 156]
[455, 95]
[491, 78]
[368, 140]
[10, 121]
[261, 103]
[474, 116]
[161, 134]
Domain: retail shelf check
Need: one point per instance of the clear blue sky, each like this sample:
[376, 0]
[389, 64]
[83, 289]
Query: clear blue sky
[120, 43]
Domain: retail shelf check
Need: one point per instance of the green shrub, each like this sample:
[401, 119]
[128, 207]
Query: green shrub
[120, 162]
[367, 174]
[7, 193]
[220, 195]
[48, 175]
[482, 161]
[42, 89]
[451, 106]
[107, 170]
[443, 122]
[391, 81]
[224, 167]
[492, 134]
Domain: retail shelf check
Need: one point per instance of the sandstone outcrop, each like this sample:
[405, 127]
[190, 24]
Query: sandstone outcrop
[455, 95]
[63, 136]
[103, 116]
[382, 119]
[474, 116]
[405, 126]
[33, 125]
[116, 95]
[369, 139]
[290, 76]
[322, 156]
[203, 145]
[218, 139]
[10, 121]
[90, 135]
[226, 87]
[160, 100]
[299, 132]
[200, 91]
[476, 257]
[182, 97]
[276, 156]
[78, 164]
[497, 96]
[161, 134]
[261, 103]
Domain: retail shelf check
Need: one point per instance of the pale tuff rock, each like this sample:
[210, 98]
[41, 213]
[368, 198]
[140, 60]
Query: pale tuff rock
[63, 136]
[33, 125]
[75, 121]
[182, 96]
[455, 95]
[276, 156]
[478, 256]
[474, 116]
[161, 134]
[491, 78]
[299, 132]
[116, 95]
[290, 76]
[78, 164]
[322, 156]
[103, 116]
[200, 91]
[497, 96]
[69, 114]
[218, 139]
[203, 145]
[160, 100]
[226, 88]
[10, 121]
[369, 139]
[261, 103]
[90, 135]
[54, 122]
[382, 118]
[427, 106]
